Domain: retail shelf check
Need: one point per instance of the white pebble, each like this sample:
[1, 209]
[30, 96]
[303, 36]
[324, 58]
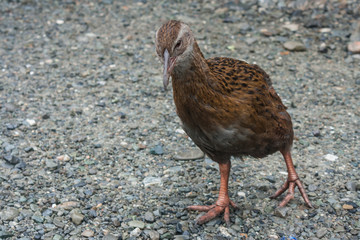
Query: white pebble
[31, 122]
[330, 157]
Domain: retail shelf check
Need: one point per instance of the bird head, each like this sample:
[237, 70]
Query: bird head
[174, 46]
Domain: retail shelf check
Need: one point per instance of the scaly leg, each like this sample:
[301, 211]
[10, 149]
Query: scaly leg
[223, 203]
[292, 181]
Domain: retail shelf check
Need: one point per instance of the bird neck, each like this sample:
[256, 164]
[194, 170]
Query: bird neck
[194, 72]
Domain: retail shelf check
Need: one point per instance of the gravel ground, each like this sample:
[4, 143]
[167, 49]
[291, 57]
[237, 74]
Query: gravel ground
[90, 142]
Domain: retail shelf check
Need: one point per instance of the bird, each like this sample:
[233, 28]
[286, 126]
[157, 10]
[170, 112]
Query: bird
[228, 108]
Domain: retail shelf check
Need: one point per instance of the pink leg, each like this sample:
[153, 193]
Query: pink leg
[292, 181]
[223, 203]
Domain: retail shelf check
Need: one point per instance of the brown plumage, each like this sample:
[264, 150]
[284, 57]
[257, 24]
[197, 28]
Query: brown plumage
[228, 108]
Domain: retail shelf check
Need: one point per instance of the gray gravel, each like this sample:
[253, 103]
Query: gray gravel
[91, 146]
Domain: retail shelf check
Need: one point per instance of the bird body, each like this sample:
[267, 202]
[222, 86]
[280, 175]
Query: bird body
[227, 107]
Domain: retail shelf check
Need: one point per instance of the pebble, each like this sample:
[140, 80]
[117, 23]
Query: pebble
[5, 234]
[153, 235]
[312, 187]
[347, 207]
[330, 157]
[87, 233]
[174, 170]
[30, 122]
[59, 21]
[291, 26]
[149, 181]
[294, 46]
[157, 150]
[135, 233]
[110, 236]
[57, 237]
[149, 217]
[351, 186]
[76, 216]
[9, 214]
[281, 211]
[354, 47]
[59, 222]
[68, 205]
[241, 194]
[136, 224]
[11, 159]
[51, 164]
[189, 154]
[321, 232]
[323, 48]
[37, 217]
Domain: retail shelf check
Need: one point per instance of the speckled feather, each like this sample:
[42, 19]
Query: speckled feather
[232, 109]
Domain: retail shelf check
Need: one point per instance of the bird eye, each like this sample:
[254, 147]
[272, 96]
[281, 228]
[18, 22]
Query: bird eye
[178, 44]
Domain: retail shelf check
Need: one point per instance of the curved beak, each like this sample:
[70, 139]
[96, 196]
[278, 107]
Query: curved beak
[169, 63]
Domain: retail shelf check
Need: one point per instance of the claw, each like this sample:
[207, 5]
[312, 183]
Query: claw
[291, 186]
[213, 211]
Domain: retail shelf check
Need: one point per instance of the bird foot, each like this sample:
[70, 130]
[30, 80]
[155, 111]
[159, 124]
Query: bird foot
[290, 184]
[213, 211]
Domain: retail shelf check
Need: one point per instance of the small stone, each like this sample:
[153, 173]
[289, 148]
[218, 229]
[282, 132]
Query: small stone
[291, 26]
[339, 228]
[9, 214]
[179, 229]
[110, 236]
[323, 48]
[76, 216]
[37, 217]
[68, 205]
[321, 232]
[136, 224]
[312, 187]
[8, 147]
[11, 159]
[87, 233]
[354, 47]
[29, 149]
[64, 158]
[59, 21]
[270, 179]
[116, 222]
[347, 207]
[351, 186]
[30, 122]
[241, 194]
[281, 211]
[57, 237]
[59, 222]
[10, 126]
[135, 233]
[157, 150]
[153, 235]
[330, 157]
[294, 46]
[51, 164]
[148, 181]
[266, 32]
[189, 154]
[5, 235]
[149, 217]
[174, 170]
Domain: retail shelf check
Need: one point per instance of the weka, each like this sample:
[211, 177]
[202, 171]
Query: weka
[228, 108]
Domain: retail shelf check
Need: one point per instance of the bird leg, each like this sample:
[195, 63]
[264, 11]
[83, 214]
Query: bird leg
[292, 181]
[223, 203]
